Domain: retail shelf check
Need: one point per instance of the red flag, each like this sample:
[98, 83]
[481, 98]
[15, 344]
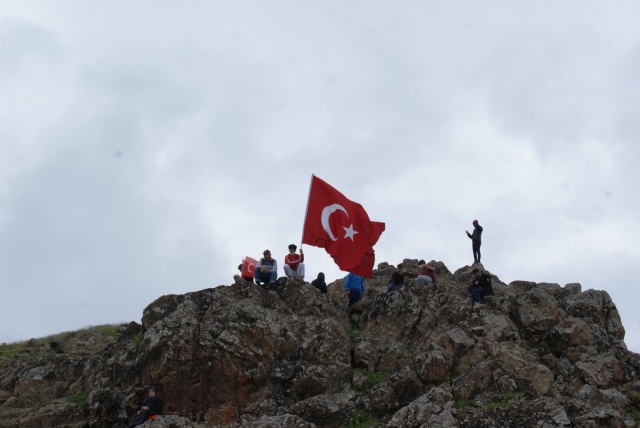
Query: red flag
[342, 227]
[248, 266]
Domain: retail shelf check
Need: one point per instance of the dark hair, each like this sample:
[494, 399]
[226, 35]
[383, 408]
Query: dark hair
[293, 246]
[422, 262]
[400, 265]
[321, 276]
[475, 270]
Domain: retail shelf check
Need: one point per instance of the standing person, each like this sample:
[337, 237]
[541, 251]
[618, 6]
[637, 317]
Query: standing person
[266, 270]
[475, 240]
[319, 283]
[293, 265]
[427, 273]
[152, 406]
[354, 287]
[397, 278]
[480, 285]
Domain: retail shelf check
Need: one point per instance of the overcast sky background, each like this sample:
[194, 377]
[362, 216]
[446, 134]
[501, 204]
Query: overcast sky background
[146, 147]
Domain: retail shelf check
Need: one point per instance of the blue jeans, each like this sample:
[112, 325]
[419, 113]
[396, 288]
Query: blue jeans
[477, 292]
[260, 276]
[354, 296]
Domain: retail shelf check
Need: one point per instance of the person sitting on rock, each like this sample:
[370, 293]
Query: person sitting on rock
[480, 285]
[238, 278]
[319, 283]
[267, 270]
[293, 265]
[397, 278]
[152, 406]
[427, 273]
[354, 287]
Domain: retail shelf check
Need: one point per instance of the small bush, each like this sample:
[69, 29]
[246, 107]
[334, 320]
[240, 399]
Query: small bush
[373, 378]
[362, 419]
[80, 399]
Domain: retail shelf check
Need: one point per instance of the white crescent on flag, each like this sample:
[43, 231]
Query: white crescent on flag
[326, 213]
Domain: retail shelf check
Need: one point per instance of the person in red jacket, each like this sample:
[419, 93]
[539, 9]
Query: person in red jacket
[293, 263]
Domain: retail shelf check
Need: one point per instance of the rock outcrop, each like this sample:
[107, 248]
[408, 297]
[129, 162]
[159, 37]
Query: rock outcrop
[534, 355]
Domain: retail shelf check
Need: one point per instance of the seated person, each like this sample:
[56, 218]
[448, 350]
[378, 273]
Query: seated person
[480, 285]
[293, 265]
[397, 278]
[238, 278]
[266, 270]
[427, 273]
[151, 406]
[319, 283]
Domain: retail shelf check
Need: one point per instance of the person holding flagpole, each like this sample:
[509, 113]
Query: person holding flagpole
[293, 263]
[342, 227]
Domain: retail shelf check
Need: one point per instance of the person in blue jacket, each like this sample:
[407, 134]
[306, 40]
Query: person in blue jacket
[354, 287]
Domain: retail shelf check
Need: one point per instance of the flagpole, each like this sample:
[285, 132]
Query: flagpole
[306, 211]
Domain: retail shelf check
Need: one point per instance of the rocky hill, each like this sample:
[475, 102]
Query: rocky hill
[535, 355]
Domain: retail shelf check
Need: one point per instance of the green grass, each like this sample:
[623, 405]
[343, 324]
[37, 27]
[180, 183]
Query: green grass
[461, 406]
[83, 341]
[373, 378]
[108, 330]
[80, 399]
[362, 419]
[137, 341]
[633, 407]
[508, 398]
[354, 333]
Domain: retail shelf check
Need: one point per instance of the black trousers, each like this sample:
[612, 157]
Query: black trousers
[139, 418]
[476, 251]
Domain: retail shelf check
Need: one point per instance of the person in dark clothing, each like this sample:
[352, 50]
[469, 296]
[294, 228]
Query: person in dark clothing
[475, 240]
[480, 285]
[151, 406]
[397, 278]
[319, 283]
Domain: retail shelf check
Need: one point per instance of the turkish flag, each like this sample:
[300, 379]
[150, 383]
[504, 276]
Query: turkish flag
[248, 266]
[342, 227]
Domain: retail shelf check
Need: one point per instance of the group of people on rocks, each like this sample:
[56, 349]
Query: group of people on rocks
[267, 267]
[266, 271]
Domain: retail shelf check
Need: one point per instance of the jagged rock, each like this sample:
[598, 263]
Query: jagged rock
[535, 355]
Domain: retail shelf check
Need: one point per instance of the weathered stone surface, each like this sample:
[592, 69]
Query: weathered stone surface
[535, 355]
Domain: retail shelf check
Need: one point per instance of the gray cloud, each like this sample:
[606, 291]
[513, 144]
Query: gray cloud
[144, 150]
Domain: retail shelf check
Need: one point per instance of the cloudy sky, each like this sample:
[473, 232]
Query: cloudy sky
[146, 147]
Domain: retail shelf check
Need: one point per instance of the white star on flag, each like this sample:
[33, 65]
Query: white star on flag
[349, 232]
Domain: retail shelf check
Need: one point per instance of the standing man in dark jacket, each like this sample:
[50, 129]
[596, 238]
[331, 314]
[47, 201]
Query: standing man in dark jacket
[475, 240]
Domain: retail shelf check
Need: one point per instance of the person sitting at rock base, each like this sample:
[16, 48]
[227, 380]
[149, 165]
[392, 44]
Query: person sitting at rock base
[152, 406]
[293, 263]
[397, 278]
[267, 270]
[427, 273]
[480, 285]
